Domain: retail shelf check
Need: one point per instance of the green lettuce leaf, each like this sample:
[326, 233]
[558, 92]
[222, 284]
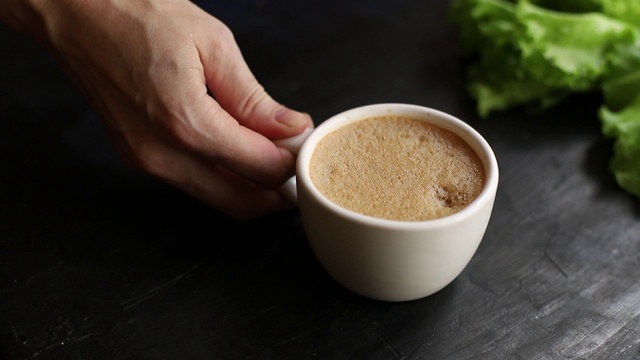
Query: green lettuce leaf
[624, 126]
[625, 10]
[528, 55]
[536, 53]
[620, 114]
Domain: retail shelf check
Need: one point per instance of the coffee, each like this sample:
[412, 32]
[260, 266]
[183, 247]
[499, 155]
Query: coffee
[397, 168]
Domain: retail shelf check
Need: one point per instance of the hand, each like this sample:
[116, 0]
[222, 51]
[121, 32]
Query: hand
[172, 87]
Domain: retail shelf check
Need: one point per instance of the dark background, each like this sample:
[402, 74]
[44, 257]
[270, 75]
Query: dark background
[100, 262]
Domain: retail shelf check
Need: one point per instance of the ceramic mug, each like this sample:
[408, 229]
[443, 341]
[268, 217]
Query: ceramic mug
[390, 260]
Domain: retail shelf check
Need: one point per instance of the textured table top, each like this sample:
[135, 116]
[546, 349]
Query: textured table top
[100, 262]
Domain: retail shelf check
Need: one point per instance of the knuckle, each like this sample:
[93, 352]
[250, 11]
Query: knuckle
[255, 95]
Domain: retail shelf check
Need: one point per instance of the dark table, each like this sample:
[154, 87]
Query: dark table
[98, 261]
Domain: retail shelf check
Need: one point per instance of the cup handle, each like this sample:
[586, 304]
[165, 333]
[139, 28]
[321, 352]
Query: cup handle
[288, 189]
[293, 144]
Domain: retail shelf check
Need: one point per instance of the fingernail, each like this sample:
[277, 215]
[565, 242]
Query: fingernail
[289, 117]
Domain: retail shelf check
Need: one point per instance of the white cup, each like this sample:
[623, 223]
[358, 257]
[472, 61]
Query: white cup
[382, 259]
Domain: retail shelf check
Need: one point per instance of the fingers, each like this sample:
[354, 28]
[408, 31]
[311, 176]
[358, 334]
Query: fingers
[214, 135]
[234, 194]
[229, 193]
[213, 185]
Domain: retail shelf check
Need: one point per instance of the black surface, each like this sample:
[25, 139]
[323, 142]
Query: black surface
[100, 262]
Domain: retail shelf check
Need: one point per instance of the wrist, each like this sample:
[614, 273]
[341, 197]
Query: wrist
[48, 20]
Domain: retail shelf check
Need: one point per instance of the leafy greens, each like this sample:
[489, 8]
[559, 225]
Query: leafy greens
[538, 52]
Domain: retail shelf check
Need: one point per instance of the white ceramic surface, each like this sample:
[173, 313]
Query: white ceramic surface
[383, 259]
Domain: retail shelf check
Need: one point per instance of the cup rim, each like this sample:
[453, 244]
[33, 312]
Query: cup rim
[438, 117]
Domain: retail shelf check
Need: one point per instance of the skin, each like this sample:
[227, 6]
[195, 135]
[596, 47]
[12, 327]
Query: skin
[171, 85]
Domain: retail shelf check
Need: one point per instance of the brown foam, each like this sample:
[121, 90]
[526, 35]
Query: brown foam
[397, 168]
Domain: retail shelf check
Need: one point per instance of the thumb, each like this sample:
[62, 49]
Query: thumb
[236, 89]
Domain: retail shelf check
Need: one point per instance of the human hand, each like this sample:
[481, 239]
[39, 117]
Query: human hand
[174, 91]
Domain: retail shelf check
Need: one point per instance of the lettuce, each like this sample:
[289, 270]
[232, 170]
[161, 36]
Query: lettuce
[536, 53]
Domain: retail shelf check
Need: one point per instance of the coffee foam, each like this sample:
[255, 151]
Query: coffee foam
[397, 168]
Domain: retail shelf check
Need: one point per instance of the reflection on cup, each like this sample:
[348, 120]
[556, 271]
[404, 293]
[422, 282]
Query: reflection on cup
[395, 198]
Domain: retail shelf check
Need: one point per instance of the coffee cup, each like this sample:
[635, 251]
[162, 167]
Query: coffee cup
[392, 257]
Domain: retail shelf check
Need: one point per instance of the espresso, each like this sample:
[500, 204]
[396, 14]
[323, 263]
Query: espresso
[397, 168]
